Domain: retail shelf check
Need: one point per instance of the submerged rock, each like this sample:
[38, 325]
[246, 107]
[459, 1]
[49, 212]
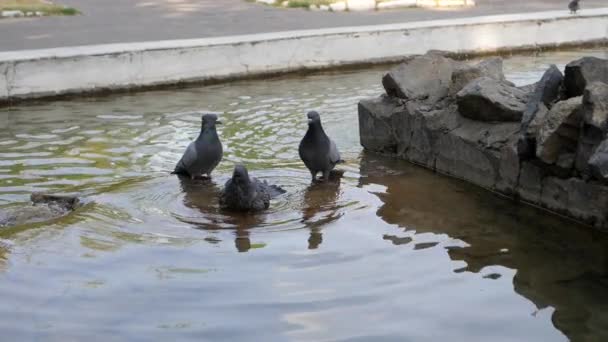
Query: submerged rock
[43, 208]
[487, 99]
[582, 72]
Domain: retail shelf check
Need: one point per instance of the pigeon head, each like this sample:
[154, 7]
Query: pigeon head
[313, 117]
[210, 120]
[240, 175]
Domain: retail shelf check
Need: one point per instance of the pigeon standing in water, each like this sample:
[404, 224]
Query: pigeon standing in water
[242, 193]
[318, 152]
[574, 6]
[203, 154]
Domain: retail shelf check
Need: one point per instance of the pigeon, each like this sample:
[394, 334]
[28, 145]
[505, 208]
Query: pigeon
[242, 193]
[574, 6]
[318, 152]
[203, 154]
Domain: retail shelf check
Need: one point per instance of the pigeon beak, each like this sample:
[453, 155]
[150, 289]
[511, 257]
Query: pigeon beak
[309, 121]
[218, 122]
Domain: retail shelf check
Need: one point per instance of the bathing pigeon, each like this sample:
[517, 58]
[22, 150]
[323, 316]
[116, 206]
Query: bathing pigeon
[317, 151]
[242, 193]
[574, 6]
[203, 154]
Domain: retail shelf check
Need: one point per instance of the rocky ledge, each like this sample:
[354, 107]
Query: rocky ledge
[543, 143]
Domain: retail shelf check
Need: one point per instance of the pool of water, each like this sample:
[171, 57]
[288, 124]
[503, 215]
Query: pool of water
[388, 252]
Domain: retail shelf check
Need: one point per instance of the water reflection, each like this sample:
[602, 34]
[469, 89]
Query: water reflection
[320, 207]
[558, 264]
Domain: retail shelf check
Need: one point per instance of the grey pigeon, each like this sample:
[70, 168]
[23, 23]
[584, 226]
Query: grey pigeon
[242, 193]
[318, 152]
[204, 153]
[574, 6]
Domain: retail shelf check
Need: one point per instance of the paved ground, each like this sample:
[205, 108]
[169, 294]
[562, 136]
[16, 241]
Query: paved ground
[113, 21]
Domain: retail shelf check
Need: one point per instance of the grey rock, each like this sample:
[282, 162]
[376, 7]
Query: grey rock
[204, 154]
[425, 77]
[595, 102]
[526, 143]
[318, 152]
[559, 131]
[555, 193]
[378, 120]
[530, 182]
[464, 74]
[44, 207]
[598, 162]
[587, 202]
[482, 145]
[594, 127]
[424, 129]
[545, 93]
[582, 72]
[473, 150]
[508, 169]
[242, 193]
[490, 100]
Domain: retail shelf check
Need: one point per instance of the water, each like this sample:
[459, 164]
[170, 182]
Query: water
[388, 252]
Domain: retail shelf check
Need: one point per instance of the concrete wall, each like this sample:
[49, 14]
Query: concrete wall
[37, 73]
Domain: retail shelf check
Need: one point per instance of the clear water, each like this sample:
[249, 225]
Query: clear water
[389, 252]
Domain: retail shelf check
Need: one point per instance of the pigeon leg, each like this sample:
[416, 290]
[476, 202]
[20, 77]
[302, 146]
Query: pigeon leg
[314, 175]
[326, 175]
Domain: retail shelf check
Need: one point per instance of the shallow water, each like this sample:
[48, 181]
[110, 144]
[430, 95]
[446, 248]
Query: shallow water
[387, 252]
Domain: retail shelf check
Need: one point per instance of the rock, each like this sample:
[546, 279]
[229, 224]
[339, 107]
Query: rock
[508, 169]
[526, 144]
[530, 182]
[472, 151]
[559, 131]
[490, 100]
[43, 208]
[582, 72]
[595, 102]
[555, 193]
[598, 162]
[421, 131]
[528, 88]
[377, 120]
[594, 127]
[588, 202]
[476, 134]
[361, 5]
[464, 74]
[546, 91]
[425, 77]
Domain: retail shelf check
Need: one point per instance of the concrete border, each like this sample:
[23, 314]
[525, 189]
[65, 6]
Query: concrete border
[73, 70]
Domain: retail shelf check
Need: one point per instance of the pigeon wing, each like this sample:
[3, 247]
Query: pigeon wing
[334, 154]
[188, 159]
